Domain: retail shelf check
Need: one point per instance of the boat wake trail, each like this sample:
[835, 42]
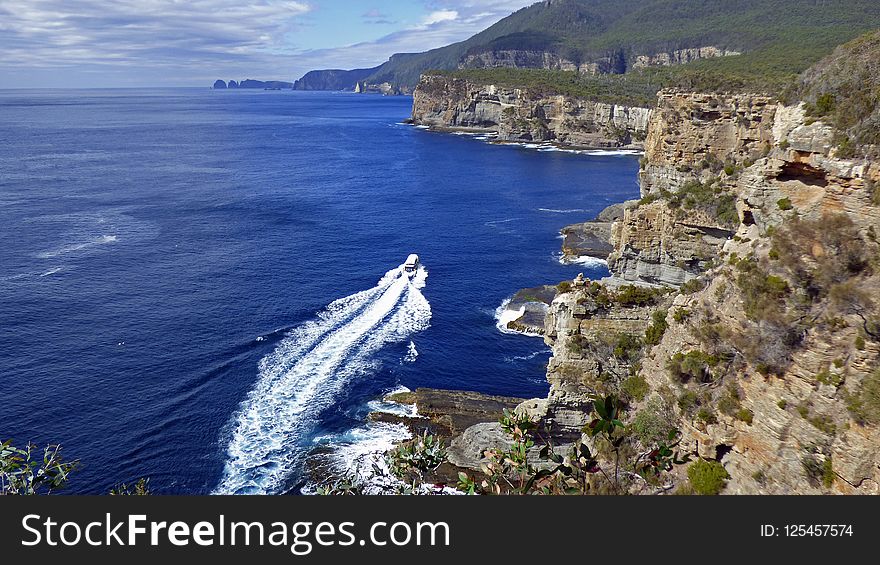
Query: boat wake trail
[269, 437]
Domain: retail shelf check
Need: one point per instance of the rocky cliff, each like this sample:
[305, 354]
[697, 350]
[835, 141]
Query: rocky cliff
[517, 115]
[760, 341]
[769, 364]
[696, 147]
[617, 61]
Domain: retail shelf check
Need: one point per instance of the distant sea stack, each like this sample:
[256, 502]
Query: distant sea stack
[233, 84]
[220, 85]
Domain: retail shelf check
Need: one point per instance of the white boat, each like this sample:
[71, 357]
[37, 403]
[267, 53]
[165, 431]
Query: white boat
[412, 264]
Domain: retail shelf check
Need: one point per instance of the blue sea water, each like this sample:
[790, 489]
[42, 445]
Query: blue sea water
[167, 258]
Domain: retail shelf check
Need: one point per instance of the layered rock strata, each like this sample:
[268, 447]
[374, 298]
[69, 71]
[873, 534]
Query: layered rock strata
[516, 115]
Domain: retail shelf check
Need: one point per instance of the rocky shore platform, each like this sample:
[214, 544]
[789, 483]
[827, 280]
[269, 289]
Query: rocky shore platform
[525, 312]
[593, 238]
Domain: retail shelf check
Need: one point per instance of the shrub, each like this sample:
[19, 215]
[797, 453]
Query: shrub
[707, 477]
[688, 401]
[635, 388]
[692, 365]
[835, 249]
[425, 453]
[31, 471]
[813, 469]
[652, 424]
[826, 377]
[681, 315]
[564, 287]
[706, 416]
[729, 403]
[709, 197]
[745, 415]
[864, 404]
[658, 327]
[693, 286]
[627, 348]
[632, 295]
[828, 474]
[823, 423]
[785, 204]
[860, 343]
[824, 105]
[140, 488]
[578, 343]
[761, 292]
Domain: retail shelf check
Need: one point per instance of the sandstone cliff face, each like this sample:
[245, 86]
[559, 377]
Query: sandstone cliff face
[582, 335]
[793, 430]
[681, 56]
[517, 59]
[614, 62]
[692, 136]
[800, 415]
[516, 115]
[657, 245]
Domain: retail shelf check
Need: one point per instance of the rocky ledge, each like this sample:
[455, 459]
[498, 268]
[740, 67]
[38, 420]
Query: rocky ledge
[466, 422]
[593, 238]
[525, 312]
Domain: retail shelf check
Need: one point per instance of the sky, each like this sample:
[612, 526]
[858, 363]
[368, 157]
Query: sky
[140, 43]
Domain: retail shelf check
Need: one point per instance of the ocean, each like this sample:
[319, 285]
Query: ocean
[201, 286]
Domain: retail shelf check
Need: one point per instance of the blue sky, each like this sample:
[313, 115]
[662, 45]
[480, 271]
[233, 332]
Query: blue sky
[133, 43]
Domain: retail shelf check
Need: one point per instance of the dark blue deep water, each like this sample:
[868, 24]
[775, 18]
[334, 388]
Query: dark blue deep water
[164, 255]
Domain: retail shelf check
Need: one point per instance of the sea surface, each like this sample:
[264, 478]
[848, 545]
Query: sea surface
[201, 286]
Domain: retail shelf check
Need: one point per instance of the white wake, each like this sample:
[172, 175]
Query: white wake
[305, 373]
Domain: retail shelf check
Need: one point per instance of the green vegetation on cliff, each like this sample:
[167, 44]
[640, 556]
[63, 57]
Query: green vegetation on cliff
[844, 90]
[778, 38]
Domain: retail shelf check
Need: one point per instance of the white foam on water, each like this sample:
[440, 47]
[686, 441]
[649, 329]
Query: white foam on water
[411, 353]
[612, 152]
[305, 373]
[504, 315]
[73, 247]
[394, 408]
[359, 456]
[587, 261]
[358, 453]
[556, 211]
[528, 357]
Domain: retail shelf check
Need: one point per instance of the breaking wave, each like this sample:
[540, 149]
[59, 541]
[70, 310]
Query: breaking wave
[558, 211]
[585, 260]
[270, 432]
[504, 315]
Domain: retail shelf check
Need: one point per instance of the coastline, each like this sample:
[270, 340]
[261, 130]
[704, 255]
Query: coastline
[462, 419]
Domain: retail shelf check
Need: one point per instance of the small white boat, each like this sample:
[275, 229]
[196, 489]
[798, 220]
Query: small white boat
[412, 264]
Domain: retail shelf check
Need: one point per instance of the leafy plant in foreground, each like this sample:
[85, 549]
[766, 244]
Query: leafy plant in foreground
[24, 472]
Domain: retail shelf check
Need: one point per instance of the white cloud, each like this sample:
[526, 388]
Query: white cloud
[51, 34]
[440, 16]
[471, 17]
[190, 41]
